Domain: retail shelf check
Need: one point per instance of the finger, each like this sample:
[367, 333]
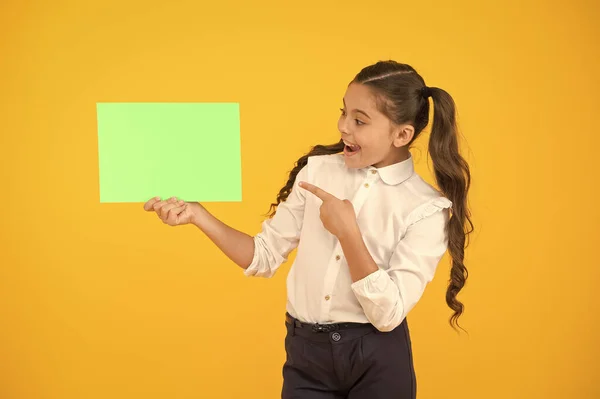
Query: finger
[158, 206]
[173, 216]
[164, 211]
[169, 208]
[149, 205]
[322, 194]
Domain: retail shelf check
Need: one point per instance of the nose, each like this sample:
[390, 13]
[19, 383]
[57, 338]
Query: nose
[342, 127]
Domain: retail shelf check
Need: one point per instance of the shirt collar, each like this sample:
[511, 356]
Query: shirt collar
[396, 173]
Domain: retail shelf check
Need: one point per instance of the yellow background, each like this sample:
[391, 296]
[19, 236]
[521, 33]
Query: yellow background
[104, 301]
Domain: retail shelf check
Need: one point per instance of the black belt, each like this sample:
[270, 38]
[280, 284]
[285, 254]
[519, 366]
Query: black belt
[322, 327]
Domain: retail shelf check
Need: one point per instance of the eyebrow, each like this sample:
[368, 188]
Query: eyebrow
[356, 110]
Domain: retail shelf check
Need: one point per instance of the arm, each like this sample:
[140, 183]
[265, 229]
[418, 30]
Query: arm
[280, 234]
[236, 245]
[360, 262]
[239, 247]
[387, 296]
[260, 255]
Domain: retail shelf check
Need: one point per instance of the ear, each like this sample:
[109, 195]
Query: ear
[402, 135]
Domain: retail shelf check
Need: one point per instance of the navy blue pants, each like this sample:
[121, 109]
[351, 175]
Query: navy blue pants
[347, 362]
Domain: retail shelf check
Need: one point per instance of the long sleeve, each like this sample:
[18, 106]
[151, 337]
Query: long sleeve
[387, 296]
[280, 234]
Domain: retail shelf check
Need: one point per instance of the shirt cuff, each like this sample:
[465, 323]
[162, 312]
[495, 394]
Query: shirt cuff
[371, 285]
[252, 269]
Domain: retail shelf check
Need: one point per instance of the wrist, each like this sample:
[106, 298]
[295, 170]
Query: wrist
[350, 235]
[199, 215]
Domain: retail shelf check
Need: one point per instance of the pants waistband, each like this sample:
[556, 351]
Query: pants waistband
[323, 328]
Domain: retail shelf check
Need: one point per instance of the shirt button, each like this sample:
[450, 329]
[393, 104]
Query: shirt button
[337, 257]
[366, 185]
[327, 297]
[373, 172]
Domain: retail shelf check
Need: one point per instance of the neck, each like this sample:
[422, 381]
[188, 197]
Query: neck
[399, 155]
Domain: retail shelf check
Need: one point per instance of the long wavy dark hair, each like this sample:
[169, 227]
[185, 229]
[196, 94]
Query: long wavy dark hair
[399, 90]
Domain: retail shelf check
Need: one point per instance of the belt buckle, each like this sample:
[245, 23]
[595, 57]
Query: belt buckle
[324, 327]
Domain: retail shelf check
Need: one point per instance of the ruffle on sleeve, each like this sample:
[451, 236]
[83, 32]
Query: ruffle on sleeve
[429, 208]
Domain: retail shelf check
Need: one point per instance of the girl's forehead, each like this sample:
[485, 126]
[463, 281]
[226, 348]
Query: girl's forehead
[360, 96]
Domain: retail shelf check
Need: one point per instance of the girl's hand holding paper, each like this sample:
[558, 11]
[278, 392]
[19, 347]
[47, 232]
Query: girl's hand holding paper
[173, 212]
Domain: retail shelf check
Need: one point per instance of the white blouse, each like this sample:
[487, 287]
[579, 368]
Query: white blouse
[402, 220]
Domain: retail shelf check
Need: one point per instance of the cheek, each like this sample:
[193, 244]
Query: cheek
[371, 141]
[364, 139]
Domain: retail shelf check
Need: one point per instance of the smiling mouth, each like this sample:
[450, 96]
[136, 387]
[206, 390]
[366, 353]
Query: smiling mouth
[350, 149]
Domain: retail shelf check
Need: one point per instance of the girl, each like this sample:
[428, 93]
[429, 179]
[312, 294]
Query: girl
[369, 232]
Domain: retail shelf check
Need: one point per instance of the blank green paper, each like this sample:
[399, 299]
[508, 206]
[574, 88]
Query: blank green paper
[187, 150]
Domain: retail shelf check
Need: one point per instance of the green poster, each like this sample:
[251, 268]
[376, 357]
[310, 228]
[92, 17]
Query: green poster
[187, 150]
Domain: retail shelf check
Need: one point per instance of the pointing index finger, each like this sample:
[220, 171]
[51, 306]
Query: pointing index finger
[322, 194]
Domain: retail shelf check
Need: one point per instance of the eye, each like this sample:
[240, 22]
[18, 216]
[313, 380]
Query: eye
[343, 111]
[359, 122]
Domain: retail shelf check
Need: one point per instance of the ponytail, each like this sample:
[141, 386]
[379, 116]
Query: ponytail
[453, 178]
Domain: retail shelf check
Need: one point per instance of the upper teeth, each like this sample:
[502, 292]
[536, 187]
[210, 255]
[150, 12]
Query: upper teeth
[350, 145]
